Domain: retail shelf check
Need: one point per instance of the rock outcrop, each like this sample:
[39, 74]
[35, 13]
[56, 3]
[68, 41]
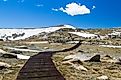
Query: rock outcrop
[9, 55]
[4, 65]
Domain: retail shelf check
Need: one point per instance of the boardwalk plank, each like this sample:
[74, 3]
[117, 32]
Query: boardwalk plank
[40, 67]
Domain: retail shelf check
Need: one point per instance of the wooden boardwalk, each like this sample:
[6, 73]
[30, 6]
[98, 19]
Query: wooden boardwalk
[41, 67]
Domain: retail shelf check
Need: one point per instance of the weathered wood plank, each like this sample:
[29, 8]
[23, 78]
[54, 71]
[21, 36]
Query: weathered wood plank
[40, 67]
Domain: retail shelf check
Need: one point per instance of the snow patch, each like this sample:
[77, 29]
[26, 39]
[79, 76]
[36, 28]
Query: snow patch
[19, 56]
[85, 35]
[110, 46]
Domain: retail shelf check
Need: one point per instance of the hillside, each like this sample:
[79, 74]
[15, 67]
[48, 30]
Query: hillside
[20, 34]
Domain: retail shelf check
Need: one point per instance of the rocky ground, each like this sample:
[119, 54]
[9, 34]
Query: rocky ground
[94, 70]
[90, 71]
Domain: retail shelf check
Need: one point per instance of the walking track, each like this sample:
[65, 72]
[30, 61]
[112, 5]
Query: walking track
[41, 67]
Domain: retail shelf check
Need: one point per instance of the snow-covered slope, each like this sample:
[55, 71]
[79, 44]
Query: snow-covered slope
[85, 35]
[17, 34]
[69, 26]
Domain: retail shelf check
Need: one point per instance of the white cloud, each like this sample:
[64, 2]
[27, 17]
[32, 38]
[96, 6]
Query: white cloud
[5, 0]
[74, 9]
[93, 7]
[55, 9]
[39, 5]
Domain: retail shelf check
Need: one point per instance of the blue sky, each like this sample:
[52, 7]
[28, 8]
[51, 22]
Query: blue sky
[41, 13]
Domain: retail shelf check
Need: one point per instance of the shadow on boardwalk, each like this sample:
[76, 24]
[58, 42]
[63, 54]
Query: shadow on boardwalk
[41, 66]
